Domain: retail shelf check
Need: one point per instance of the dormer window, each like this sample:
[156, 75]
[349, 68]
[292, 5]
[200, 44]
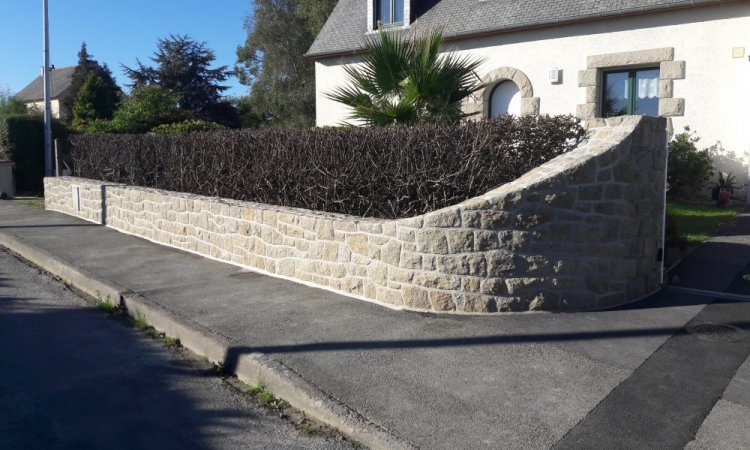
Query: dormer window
[389, 12]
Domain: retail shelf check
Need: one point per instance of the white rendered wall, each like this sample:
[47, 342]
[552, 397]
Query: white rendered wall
[54, 107]
[716, 87]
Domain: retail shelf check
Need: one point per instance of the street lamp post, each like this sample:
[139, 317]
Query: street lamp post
[47, 102]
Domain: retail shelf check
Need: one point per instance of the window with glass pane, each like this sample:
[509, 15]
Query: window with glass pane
[631, 92]
[398, 11]
[390, 12]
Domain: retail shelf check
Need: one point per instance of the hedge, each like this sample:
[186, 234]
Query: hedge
[387, 172]
[22, 141]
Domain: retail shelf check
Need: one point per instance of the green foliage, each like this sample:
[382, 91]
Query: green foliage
[100, 127]
[694, 223]
[689, 168]
[9, 106]
[183, 69]
[36, 202]
[727, 182]
[96, 100]
[250, 114]
[282, 80]
[187, 126]
[171, 341]
[94, 93]
[107, 307]
[405, 81]
[313, 14]
[139, 322]
[22, 141]
[147, 107]
[266, 398]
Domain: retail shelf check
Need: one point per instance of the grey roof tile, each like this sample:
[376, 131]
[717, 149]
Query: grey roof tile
[59, 80]
[344, 32]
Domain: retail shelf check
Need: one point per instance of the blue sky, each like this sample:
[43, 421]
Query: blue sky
[116, 32]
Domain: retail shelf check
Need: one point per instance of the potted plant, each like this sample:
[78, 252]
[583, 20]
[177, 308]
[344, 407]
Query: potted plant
[723, 189]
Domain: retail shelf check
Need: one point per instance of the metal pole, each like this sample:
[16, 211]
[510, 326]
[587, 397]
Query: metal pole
[664, 211]
[57, 158]
[47, 102]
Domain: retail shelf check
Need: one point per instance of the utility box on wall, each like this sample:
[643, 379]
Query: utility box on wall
[6, 179]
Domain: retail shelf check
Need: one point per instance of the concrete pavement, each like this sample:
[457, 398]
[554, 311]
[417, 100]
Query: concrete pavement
[512, 381]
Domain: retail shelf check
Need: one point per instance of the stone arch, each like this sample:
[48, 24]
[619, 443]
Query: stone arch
[529, 103]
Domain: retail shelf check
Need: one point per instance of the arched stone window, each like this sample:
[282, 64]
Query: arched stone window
[507, 91]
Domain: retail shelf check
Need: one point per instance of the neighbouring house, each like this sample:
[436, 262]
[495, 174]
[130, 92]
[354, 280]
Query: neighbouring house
[684, 60]
[33, 94]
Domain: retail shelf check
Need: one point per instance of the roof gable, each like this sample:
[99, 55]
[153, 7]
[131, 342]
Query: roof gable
[60, 80]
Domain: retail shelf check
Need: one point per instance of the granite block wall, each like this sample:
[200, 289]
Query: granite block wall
[579, 232]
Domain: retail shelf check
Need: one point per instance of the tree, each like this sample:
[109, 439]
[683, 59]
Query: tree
[407, 80]
[183, 67]
[146, 108]
[273, 64]
[96, 100]
[9, 106]
[102, 95]
[689, 169]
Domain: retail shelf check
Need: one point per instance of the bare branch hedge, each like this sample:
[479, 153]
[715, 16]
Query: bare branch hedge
[387, 172]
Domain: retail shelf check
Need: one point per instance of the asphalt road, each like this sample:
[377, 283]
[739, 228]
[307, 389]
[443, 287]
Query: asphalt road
[72, 377]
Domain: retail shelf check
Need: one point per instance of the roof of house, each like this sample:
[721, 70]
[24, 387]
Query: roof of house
[344, 32]
[59, 80]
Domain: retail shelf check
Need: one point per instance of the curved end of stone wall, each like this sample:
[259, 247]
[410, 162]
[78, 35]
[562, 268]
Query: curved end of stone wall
[582, 231]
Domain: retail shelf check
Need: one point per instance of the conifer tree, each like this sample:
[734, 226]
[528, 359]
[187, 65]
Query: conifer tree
[183, 67]
[95, 94]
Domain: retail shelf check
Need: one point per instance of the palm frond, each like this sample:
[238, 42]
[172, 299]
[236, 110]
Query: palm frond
[403, 80]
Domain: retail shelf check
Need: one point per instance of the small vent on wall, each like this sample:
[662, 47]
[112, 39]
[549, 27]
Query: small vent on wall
[555, 76]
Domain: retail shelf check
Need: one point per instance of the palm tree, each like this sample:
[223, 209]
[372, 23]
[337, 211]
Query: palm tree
[407, 80]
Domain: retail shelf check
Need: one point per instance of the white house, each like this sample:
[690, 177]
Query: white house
[33, 94]
[688, 60]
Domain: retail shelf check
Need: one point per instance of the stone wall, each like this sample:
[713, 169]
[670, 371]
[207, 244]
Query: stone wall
[579, 232]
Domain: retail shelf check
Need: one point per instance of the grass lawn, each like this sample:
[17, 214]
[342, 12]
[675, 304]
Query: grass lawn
[37, 202]
[698, 222]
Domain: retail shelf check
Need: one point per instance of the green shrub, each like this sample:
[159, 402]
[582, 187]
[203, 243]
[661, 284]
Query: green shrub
[100, 126]
[689, 168]
[9, 105]
[187, 126]
[22, 141]
[146, 108]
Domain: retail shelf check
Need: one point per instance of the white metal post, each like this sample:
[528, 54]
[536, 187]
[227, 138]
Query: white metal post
[664, 212]
[57, 157]
[47, 102]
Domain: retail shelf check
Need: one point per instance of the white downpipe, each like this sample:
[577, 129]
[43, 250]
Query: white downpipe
[664, 212]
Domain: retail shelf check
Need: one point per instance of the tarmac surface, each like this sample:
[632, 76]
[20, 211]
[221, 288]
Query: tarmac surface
[72, 377]
[506, 381]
